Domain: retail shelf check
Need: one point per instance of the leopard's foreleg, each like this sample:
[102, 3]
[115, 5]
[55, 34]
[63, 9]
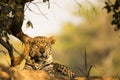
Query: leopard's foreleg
[63, 70]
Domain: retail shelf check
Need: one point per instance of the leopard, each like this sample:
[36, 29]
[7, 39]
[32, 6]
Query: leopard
[39, 57]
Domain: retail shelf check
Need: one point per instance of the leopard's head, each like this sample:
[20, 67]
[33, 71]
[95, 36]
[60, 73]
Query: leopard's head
[40, 47]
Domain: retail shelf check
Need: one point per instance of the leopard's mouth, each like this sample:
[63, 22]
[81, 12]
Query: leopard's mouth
[36, 58]
[40, 57]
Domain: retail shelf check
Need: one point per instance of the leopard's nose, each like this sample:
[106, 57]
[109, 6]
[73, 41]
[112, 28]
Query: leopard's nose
[42, 50]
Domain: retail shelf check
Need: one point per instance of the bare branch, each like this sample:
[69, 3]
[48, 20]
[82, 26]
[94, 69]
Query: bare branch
[78, 5]
[3, 51]
[40, 11]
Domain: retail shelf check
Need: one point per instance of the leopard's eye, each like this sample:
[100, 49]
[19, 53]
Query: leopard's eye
[36, 46]
[47, 43]
[46, 46]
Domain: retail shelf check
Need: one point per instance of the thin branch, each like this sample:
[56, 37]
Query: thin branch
[82, 71]
[56, 4]
[16, 51]
[11, 53]
[76, 68]
[78, 5]
[3, 51]
[89, 70]
[40, 11]
[19, 53]
[86, 66]
[32, 10]
[27, 5]
[94, 9]
[7, 46]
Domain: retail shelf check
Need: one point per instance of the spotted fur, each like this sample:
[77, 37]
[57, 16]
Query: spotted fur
[40, 57]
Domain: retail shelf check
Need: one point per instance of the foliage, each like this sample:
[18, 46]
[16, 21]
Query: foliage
[11, 19]
[115, 9]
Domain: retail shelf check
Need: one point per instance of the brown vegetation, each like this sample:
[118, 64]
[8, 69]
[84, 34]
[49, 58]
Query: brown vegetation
[8, 73]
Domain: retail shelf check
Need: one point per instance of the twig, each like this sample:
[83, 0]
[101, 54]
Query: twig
[89, 70]
[81, 71]
[78, 5]
[40, 11]
[19, 53]
[3, 51]
[93, 7]
[27, 5]
[86, 61]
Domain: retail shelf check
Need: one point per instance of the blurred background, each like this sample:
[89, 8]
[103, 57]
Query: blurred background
[77, 25]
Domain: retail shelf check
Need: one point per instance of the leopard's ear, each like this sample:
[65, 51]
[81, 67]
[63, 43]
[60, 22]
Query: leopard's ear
[24, 38]
[27, 39]
[51, 39]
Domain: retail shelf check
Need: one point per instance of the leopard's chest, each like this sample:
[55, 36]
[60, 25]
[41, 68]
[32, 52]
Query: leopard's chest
[32, 65]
